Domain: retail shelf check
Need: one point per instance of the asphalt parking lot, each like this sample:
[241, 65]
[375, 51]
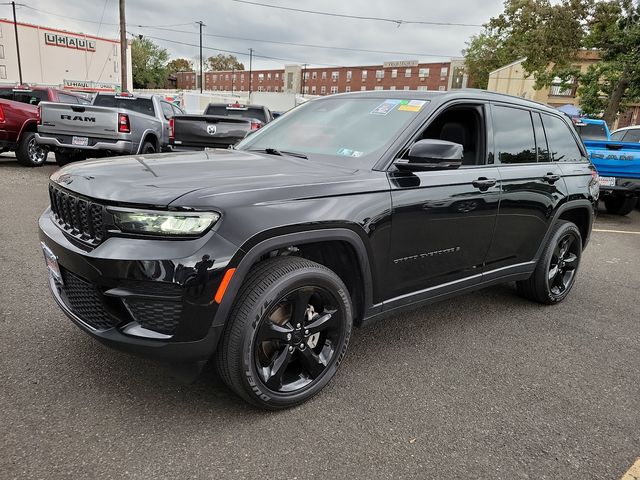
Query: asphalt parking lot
[485, 386]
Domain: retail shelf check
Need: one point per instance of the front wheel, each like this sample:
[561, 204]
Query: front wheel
[29, 153]
[620, 205]
[556, 270]
[287, 333]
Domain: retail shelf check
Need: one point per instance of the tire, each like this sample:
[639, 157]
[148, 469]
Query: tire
[248, 358]
[545, 286]
[63, 158]
[620, 205]
[148, 148]
[29, 153]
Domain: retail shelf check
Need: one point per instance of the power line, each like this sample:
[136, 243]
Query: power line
[397, 22]
[306, 45]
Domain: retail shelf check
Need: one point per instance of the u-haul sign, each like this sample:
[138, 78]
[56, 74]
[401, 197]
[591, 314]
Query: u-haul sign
[67, 41]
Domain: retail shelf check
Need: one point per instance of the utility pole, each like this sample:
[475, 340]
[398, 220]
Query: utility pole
[233, 79]
[304, 74]
[250, 72]
[123, 49]
[15, 26]
[201, 77]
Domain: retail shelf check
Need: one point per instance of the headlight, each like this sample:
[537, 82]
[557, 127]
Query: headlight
[165, 223]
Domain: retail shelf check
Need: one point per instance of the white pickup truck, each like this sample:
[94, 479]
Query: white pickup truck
[115, 124]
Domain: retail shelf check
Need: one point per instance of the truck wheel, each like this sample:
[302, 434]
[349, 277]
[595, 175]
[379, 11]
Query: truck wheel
[148, 147]
[29, 153]
[620, 205]
[64, 158]
[287, 333]
[556, 270]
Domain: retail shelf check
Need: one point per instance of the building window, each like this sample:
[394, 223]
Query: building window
[313, 89]
[334, 89]
[334, 76]
[379, 74]
[324, 75]
[306, 89]
[347, 89]
[378, 87]
[306, 75]
[314, 75]
[268, 89]
[348, 75]
[115, 66]
[422, 88]
[116, 46]
[277, 76]
[392, 87]
[407, 73]
[3, 71]
[363, 88]
[442, 88]
[423, 73]
[261, 88]
[394, 73]
[260, 77]
[444, 71]
[323, 90]
[364, 75]
[215, 77]
[557, 88]
[406, 87]
[1, 51]
[242, 77]
[226, 77]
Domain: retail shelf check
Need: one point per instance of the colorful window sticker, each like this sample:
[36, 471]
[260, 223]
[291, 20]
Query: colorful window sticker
[411, 105]
[385, 107]
[349, 153]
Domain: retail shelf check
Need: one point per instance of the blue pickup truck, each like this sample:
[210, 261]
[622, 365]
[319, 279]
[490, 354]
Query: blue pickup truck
[617, 163]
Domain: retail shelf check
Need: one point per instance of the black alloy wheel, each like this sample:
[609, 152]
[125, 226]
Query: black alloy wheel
[556, 270]
[287, 332]
[297, 339]
[563, 265]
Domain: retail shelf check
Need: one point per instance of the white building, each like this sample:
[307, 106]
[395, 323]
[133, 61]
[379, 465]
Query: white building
[49, 56]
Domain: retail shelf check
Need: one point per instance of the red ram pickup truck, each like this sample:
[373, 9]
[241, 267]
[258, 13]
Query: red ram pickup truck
[19, 118]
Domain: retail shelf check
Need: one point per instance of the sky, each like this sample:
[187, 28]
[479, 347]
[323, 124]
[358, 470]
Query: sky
[174, 21]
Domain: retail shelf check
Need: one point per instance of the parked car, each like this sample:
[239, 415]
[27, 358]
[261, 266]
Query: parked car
[115, 124]
[617, 159]
[221, 126]
[627, 134]
[342, 212]
[19, 117]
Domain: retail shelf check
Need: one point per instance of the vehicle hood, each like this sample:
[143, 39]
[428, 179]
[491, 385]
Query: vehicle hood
[159, 180]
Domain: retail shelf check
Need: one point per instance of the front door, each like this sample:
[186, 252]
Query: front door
[443, 221]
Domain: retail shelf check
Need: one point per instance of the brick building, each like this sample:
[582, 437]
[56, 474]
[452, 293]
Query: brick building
[409, 75]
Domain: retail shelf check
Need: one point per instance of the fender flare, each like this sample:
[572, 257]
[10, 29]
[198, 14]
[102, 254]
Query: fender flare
[309, 236]
[143, 138]
[26, 125]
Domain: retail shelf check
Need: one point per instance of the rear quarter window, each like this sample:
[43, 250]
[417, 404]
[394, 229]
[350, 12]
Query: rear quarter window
[139, 105]
[563, 146]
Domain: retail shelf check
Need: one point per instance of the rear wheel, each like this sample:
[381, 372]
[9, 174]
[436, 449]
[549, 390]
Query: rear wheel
[556, 270]
[287, 333]
[148, 147]
[29, 153]
[620, 205]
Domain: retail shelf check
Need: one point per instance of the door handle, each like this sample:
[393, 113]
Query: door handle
[551, 178]
[483, 183]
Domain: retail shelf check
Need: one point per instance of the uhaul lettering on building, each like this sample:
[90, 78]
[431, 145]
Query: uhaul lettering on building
[57, 40]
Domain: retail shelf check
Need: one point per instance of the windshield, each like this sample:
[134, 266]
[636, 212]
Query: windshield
[247, 112]
[592, 131]
[340, 126]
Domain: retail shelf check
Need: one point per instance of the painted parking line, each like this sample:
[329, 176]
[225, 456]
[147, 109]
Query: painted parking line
[615, 231]
[633, 473]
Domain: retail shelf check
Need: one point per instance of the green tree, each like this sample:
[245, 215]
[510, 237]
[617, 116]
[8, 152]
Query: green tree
[148, 62]
[608, 86]
[222, 62]
[179, 65]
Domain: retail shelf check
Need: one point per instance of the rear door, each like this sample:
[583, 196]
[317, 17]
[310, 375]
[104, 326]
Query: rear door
[532, 183]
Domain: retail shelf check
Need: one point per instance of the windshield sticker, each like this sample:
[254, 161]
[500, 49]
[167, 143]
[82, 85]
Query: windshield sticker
[385, 107]
[349, 153]
[411, 105]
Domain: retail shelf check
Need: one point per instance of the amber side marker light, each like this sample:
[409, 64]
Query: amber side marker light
[224, 284]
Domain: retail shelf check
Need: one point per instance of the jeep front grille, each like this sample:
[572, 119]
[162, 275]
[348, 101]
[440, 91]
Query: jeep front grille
[79, 217]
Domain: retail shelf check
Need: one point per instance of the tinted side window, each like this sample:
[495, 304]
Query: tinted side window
[541, 138]
[6, 93]
[618, 136]
[32, 98]
[632, 136]
[513, 135]
[140, 105]
[562, 144]
[64, 98]
[167, 111]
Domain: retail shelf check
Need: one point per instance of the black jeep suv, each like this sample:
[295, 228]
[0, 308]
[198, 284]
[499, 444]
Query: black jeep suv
[347, 209]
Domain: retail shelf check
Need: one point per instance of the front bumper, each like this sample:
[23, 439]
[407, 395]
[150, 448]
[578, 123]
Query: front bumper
[117, 146]
[628, 187]
[152, 298]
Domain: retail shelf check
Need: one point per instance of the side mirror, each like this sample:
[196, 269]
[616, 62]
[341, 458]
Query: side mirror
[432, 154]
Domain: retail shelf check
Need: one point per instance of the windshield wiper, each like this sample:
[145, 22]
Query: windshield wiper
[280, 153]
